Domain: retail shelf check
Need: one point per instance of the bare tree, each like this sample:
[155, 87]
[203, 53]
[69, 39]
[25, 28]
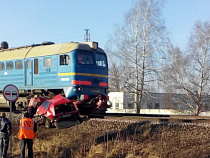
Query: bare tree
[189, 73]
[137, 44]
[115, 77]
[116, 71]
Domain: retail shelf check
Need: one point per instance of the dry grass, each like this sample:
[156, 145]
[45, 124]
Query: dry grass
[118, 139]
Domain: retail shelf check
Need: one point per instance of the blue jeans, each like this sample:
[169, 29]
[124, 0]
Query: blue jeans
[29, 143]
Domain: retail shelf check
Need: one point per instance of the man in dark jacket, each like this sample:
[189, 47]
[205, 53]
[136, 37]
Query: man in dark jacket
[5, 132]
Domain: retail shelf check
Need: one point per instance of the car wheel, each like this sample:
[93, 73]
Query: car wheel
[80, 119]
[48, 123]
[56, 125]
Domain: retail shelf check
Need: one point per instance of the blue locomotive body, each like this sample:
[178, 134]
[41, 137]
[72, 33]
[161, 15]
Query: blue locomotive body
[79, 71]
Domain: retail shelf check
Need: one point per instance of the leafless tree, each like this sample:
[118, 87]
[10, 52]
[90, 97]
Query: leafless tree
[188, 73]
[138, 43]
[116, 71]
[115, 79]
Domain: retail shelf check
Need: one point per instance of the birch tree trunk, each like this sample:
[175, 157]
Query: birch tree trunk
[136, 44]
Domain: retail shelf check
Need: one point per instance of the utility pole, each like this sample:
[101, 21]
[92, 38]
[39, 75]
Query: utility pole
[87, 35]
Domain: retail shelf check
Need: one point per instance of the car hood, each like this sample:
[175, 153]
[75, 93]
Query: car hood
[58, 99]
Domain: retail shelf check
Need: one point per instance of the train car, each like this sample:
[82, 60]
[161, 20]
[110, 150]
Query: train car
[76, 70]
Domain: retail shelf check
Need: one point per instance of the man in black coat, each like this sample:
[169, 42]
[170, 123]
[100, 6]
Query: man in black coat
[5, 132]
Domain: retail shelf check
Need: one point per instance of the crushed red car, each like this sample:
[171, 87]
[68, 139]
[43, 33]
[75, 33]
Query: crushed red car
[58, 112]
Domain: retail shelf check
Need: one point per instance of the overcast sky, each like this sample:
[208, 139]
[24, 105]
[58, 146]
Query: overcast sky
[24, 22]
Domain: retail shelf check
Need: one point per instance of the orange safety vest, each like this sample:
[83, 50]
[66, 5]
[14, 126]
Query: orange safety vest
[26, 130]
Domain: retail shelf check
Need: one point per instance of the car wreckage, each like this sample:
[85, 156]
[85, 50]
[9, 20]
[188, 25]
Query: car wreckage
[56, 112]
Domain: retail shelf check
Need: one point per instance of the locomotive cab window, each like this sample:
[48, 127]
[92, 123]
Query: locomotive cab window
[47, 62]
[10, 65]
[85, 58]
[19, 64]
[101, 60]
[65, 60]
[2, 66]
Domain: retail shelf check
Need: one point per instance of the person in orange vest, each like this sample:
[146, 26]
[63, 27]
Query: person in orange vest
[26, 134]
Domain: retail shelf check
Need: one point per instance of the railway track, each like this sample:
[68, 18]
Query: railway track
[132, 117]
[154, 117]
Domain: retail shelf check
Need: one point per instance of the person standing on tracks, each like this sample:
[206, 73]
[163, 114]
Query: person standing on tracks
[26, 134]
[5, 132]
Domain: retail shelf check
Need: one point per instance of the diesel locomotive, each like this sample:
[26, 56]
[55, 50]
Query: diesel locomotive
[76, 70]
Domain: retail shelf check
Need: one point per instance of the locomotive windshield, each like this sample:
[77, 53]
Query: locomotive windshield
[101, 60]
[87, 58]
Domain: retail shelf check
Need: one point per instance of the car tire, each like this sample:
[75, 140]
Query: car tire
[56, 125]
[80, 119]
[48, 123]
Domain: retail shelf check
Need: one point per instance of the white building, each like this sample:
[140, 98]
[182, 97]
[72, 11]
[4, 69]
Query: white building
[153, 103]
[121, 102]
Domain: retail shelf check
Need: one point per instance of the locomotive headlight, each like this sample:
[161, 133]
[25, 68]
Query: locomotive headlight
[106, 90]
[80, 89]
[109, 103]
[75, 89]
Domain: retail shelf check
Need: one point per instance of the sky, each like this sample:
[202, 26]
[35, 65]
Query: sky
[26, 22]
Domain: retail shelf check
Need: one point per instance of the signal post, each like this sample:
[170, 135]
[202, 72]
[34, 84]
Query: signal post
[11, 94]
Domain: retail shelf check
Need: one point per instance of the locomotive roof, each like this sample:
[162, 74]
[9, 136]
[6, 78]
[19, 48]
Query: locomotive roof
[44, 50]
